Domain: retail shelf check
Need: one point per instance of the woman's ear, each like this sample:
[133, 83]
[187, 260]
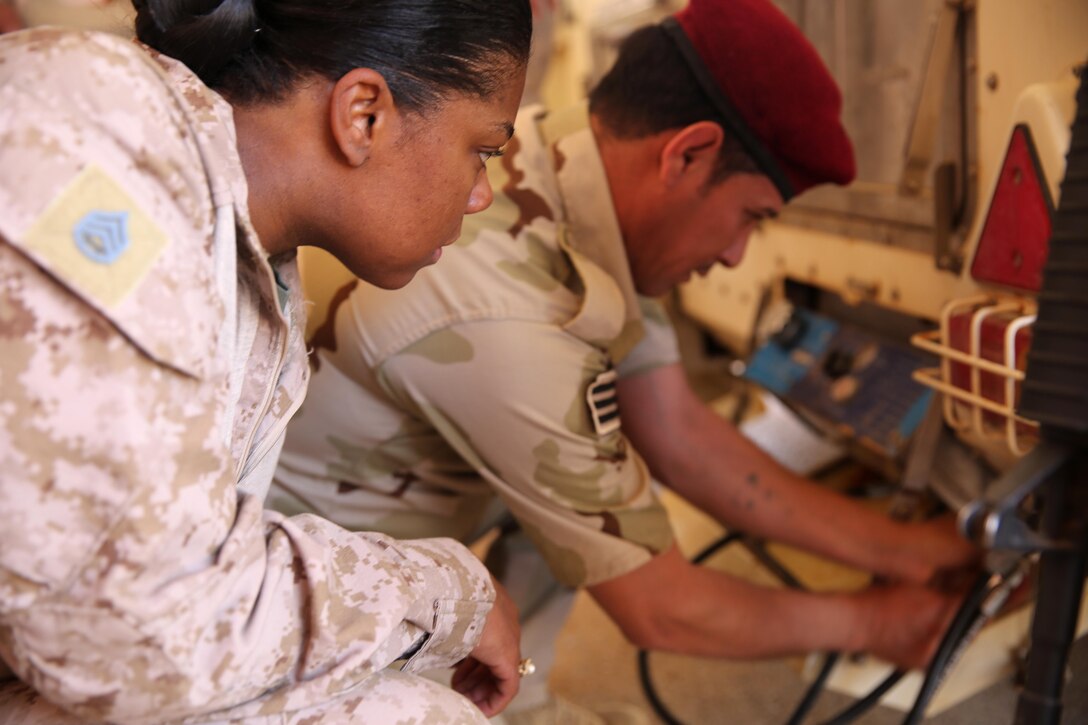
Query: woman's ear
[691, 153]
[361, 112]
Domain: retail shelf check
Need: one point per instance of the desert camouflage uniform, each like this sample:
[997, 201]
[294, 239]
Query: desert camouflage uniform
[150, 358]
[474, 379]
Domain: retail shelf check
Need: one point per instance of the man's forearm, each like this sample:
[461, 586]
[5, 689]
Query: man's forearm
[743, 487]
[697, 611]
[710, 463]
[670, 604]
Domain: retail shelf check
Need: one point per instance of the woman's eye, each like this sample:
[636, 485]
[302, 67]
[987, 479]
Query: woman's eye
[485, 156]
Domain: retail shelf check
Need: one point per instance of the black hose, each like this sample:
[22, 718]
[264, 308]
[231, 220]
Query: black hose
[866, 703]
[651, 694]
[966, 617]
[759, 551]
[812, 694]
[715, 547]
[814, 690]
[962, 624]
[648, 689]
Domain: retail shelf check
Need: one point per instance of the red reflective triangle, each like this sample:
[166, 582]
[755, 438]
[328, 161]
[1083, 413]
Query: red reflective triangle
[1016, 237]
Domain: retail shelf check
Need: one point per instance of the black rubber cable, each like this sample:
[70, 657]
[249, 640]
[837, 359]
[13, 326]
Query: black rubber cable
[866, 703]
[966, 617]
[651, 694]
[658, 706]
[715, 547]
[963, 622]
[759, 551]
[806, 704]
[812, 694]
[814, 690]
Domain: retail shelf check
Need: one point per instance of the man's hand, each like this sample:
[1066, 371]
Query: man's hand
[489, 676]
[904, 624]
[933, 551]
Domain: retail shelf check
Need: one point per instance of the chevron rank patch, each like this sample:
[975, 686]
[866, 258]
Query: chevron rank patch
[604, 406]
[95, 238]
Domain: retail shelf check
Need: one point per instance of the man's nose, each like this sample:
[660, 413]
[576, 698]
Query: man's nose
[734, 253]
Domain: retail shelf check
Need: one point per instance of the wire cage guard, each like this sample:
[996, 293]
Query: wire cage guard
[982, 345]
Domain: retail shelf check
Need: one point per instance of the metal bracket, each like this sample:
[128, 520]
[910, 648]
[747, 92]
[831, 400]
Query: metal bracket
[947, 253]
[994, 522]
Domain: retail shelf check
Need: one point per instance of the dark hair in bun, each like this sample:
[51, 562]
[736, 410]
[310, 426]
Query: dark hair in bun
[257, 50]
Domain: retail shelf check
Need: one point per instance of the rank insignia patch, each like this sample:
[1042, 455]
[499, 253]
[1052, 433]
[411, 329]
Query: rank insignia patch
[102, 236]
[604, 407]
[95, 237]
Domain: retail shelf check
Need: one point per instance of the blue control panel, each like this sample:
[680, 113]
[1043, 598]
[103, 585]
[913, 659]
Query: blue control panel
[847, 378]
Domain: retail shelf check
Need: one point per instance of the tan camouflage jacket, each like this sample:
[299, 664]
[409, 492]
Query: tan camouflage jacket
[150, 358]
[493, 372]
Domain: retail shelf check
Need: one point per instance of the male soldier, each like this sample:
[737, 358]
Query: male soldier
[499, 371]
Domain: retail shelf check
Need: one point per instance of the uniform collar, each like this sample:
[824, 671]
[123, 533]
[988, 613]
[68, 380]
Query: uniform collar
[593, 228]
[217, 138]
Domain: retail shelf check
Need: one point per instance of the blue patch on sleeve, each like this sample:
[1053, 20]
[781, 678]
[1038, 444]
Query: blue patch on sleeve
[102, 236]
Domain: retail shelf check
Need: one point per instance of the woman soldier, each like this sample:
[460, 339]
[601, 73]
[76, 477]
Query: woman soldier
[151, 202]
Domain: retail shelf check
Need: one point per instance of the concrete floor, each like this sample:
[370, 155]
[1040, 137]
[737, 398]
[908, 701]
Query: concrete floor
[595, 664]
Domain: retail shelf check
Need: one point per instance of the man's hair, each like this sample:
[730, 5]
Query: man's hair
[650, 89]
[258, 50]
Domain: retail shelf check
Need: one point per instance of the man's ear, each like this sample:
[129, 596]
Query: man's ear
[361, 109]
[693, 150]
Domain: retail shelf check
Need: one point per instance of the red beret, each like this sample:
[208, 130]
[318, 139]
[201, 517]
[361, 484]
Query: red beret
[785, 106]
